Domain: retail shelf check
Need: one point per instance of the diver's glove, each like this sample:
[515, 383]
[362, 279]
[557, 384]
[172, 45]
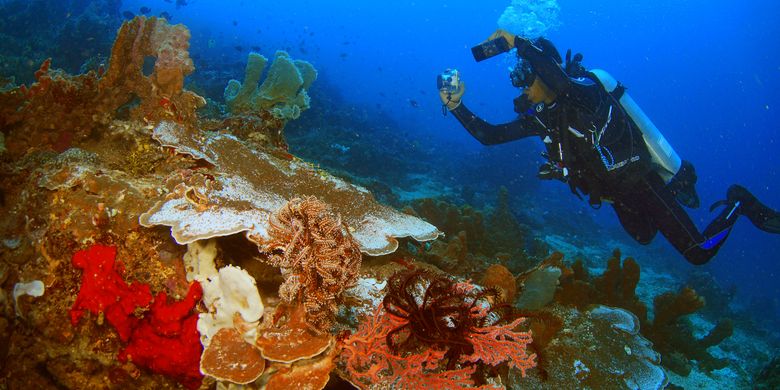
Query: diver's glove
[683, 185]
[550, 171]
[514, 41]
[452, 99]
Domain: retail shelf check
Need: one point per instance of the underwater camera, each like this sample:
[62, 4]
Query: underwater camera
[490, 49]
[448, 81]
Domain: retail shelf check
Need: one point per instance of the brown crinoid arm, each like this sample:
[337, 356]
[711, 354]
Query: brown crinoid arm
[314, 246]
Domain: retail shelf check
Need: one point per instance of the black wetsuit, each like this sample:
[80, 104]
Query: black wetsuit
[600, 152]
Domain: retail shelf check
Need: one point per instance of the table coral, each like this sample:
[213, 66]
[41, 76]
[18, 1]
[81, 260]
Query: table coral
[246, 186]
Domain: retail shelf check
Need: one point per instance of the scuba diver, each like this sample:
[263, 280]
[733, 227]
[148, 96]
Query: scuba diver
[602, 145]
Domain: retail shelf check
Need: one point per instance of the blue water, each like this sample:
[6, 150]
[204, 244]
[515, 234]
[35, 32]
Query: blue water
[707, 73]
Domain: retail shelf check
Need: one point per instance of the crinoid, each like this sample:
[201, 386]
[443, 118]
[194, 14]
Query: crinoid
[317, 255]
[439, 313]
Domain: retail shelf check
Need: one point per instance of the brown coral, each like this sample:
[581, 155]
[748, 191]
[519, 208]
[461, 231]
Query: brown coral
[499, 277]
[287, 338]
[317, 254]
[59, 110]
[228, 357]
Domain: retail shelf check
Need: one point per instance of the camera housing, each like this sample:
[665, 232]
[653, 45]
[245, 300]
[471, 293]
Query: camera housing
[490, 49]
[448, 81]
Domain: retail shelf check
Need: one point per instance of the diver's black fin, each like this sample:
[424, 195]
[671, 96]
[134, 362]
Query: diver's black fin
[758, 213]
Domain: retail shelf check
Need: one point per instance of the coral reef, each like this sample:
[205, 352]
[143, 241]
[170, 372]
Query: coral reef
[58, 110]
[601, 349]
[229, 358]
[283, 92]
[669, 330]
[674, 337]
[74, 33]
[505, 234]
[474, 239]
[497, 276]
[247, 186]
[165, 340]
[615, 287]
[260, 111]
[317, 255]
[432, 331]
[769, 377]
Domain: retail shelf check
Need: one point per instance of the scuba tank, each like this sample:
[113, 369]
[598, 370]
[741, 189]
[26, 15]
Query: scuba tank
[666, 160]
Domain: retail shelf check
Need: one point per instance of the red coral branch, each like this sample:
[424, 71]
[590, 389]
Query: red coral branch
[369, 361]
[494, 345]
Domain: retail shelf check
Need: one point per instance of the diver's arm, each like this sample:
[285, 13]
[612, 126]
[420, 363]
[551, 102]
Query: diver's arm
[488, 134]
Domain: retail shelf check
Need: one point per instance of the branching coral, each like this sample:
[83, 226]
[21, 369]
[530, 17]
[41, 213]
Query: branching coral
[317, 255]
[458, 318]
[432, 332]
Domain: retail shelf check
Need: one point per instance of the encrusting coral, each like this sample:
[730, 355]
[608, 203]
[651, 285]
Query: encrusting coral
[317, 255]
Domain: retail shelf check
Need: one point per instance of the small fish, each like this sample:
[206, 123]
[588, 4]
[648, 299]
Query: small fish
[239, 48]
[302, 50]
[343, 55]
[166, 15]
[180, 3]
[255, 48]
[168, 1]
[235, 23]
[128, 15]
[414, 103]
[145, 10]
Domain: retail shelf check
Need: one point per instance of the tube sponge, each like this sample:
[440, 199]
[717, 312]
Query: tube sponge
[283, 92]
